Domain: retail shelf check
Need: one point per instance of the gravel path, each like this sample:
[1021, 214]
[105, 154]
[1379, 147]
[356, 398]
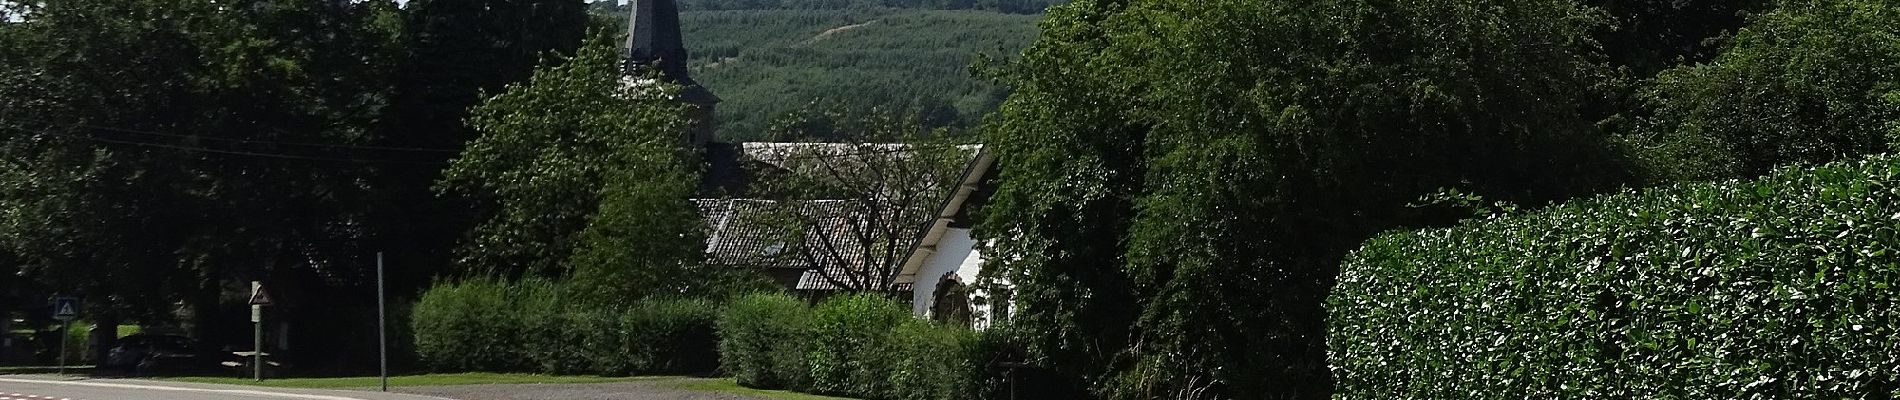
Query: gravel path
[663, 389]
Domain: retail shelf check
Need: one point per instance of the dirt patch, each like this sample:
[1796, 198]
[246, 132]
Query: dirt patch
[833, 31]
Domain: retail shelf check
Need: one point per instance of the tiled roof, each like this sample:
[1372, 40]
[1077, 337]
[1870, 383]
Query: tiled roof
[751, 232]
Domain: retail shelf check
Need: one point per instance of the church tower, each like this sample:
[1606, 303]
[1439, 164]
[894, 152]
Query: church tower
[653, 42]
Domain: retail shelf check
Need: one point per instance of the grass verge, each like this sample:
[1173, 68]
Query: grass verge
[727, 385]
[473, 378]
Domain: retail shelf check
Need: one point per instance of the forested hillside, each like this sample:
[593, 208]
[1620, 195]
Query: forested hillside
[1008, 6]
[769, 64]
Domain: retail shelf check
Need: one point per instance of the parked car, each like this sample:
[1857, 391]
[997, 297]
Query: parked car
[147, 353]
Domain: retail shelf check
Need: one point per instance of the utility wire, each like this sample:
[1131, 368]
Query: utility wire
[250, 141]
[227, 152]
[788, 153]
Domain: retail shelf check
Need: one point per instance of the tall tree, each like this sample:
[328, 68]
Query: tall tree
[158, 150]
[1810, 82]
[577, 162]
[455, 53]
[1180, 179]
[1649, 36]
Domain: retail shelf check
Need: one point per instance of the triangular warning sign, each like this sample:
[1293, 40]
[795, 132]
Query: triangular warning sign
[259, 297]
[66, 308]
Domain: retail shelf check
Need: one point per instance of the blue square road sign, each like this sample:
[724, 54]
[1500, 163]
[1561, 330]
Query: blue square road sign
[65, 308]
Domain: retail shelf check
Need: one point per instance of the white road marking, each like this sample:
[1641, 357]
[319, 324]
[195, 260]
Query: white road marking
[17, 396]
[180, 389]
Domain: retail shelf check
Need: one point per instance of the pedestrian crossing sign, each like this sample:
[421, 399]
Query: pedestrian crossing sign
[65, 308]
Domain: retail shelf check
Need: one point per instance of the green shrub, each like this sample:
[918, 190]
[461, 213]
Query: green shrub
[468, 326]
[1780, 287]
[850, 335]
[933, 361]
[536, 326]
[764, 339]
[607, 336]
[549, 325]
[674, 337]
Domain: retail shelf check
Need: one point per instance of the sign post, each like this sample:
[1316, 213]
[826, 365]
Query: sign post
[382, 324]
[65, 309]
[259, 299]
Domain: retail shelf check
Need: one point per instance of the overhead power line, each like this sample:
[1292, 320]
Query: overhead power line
[226, 152]
[248, 141]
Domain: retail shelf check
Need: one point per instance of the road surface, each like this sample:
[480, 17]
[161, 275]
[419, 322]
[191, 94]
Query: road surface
[43, 388]
[636, 390]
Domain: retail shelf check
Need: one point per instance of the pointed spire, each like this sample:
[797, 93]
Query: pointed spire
[653, 40]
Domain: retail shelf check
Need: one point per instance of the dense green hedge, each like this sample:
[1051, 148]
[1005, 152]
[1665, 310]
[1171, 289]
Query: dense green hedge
[851, 340]
[763, 339]
[469, 326]
[1780, 287]
[861, 346]
[488, 325]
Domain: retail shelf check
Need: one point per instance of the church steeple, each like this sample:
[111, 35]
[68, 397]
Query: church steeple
[653, 40]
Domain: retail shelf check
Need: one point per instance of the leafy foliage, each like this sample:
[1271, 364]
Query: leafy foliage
[157, 150]
[932, 361]
[470, 325]
[849, 336]
[861, 346]
[1779, 287]
[549, 148]
[541, 326]
[1649, 36]
[763, 340]
[1809, 82]
[1173, 202]
[673, 337]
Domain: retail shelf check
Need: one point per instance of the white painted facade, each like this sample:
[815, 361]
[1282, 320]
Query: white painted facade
[950, 252]
[958, 259]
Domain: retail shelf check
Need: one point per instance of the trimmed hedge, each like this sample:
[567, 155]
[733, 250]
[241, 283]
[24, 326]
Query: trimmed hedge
[763, 339]
[469, 326]
[851, 337]
[932, 361]
[1780, 287]
[861, 346]
[674, 337]
[530, 326]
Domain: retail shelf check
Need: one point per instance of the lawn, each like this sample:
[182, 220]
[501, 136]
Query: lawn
[411, 380]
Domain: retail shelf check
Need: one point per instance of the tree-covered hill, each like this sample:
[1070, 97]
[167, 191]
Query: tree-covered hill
[770, 63]
[1008, 6]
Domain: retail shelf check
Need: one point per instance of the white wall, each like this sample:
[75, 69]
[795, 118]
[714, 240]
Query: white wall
[955, 253]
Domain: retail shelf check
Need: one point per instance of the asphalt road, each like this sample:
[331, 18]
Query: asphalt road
[13, 388]
[637, 390]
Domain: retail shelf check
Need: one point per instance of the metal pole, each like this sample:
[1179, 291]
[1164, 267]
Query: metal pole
[65, 333]
[382, 323]
[257, 342]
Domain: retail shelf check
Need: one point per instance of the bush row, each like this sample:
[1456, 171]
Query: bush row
[859, 346]
[491, 325]
[1780, 287]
